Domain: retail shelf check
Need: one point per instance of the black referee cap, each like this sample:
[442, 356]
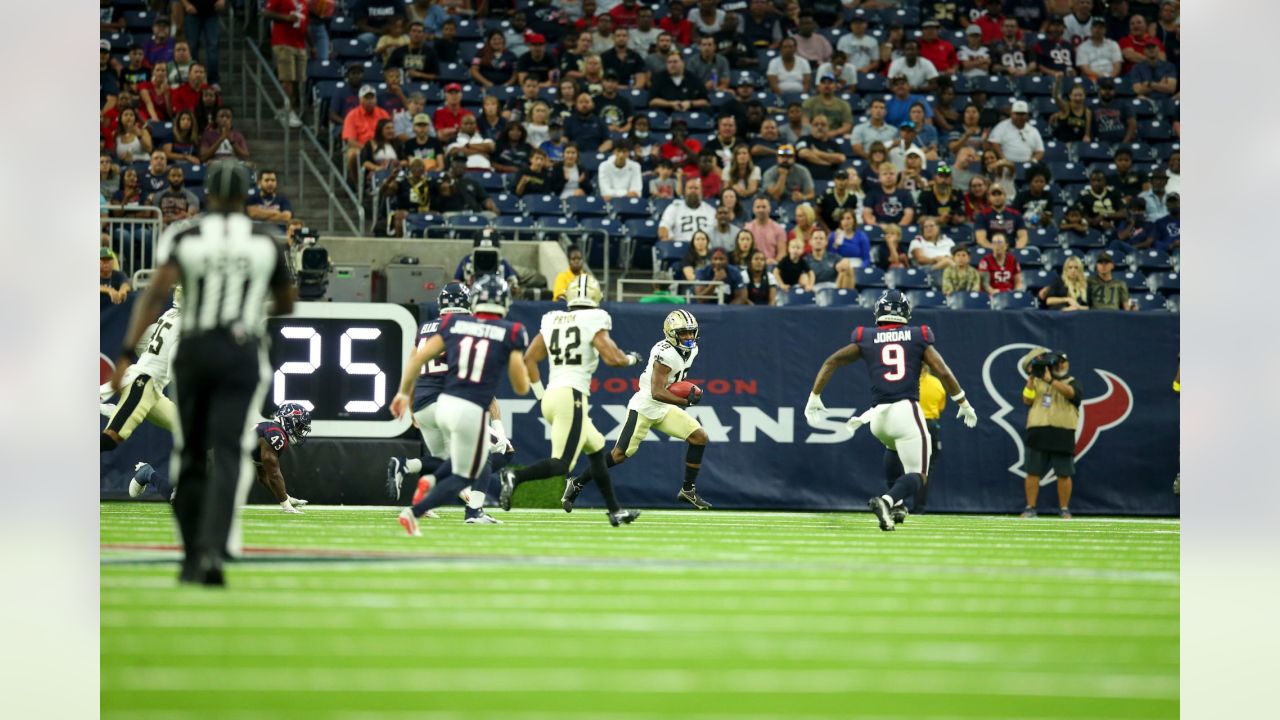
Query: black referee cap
[227, 180]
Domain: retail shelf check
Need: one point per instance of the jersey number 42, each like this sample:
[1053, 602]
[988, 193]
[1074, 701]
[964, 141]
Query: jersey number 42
[566, 352]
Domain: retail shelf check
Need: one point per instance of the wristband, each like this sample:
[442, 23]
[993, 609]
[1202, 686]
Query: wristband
[537, 388]
[1028, 393]
[958, 397]
[1177, 386]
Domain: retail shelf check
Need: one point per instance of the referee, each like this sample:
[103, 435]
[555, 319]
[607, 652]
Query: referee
[228, 268]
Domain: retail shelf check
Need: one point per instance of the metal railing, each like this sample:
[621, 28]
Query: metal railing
[133, 237]
[683, 289]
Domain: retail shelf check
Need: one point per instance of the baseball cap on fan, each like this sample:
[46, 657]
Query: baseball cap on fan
[1020, 106]
[367, 90]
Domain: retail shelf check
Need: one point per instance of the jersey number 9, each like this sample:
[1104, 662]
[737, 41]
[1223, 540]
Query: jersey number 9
[894, 359]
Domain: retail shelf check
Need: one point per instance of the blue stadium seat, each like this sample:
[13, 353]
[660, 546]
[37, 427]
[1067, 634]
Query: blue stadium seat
[833, 297]
[342, 26]
[874, 233]
[908, 279]
[492, 182]
[1124, 87]
[642, 230]
[1016, 300]
[544, 205]
[605, 224]
[798, 296]
[696, 121]
[161, 132]
[1055, 151]
[512, 227]
[1033, 280]
[994, 85]
[639, 98]
[1043, 107]
[1045, 238]
[587, 206]
[660, 206]
[591, 161]
[1090, 240]
[557, 224]
[659, 121]
[324, 70]
[466, 222]
[1029, 257]
[867, 297]
[352, 49]
[870, 277]
[629, 208]
[138, 21]
[1092, 152]
[1148, 302]
[417, 224]
[1164, 283]
[1148, 260]
[614, 238]
[1142, 152]
[872, 83]
[961, 234]
[1174, 303]
[968, 301]
[470, 31]
[1068, 173]
[667, 254]
[976, 253]
[454, 72]
[1133, 280]
[1035, 86]
[926, 299]
[193, 174]
[507, 203]
[1143, 109]
[907, 17]
[1155, 131]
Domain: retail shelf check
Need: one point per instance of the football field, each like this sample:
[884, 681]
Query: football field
[339, 614]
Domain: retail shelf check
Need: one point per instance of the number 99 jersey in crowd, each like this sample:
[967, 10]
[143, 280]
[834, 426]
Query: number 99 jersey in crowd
[894, 354]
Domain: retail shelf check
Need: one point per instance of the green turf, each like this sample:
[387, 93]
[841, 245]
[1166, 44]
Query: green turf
[708, 615]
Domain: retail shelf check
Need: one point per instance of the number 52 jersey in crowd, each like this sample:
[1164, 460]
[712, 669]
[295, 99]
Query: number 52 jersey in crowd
[894, 355]
[476, 352]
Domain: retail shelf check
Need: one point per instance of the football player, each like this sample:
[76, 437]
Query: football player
[477, 350]
[894, 352]
[575, 340]
[142, 395]
[654, 405]
[289, 426]
[453, 299]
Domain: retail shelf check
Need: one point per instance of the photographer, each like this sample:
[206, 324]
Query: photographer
[486, 258]
[1053, 397]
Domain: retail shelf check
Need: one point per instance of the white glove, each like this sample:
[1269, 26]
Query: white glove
[635, 358]
[968, 414]
[856, 422]
[814, 409]
[537, 389]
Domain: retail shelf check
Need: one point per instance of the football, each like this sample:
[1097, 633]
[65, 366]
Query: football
[683, 388]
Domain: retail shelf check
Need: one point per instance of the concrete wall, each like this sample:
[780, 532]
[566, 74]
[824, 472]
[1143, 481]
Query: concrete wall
[547, 257]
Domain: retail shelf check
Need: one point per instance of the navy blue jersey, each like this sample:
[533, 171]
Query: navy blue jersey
[431, 380]
[275, 436]
[894, 354]
[476, 352]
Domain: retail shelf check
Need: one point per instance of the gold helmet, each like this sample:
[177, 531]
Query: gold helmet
[583, 291]
[678, 321]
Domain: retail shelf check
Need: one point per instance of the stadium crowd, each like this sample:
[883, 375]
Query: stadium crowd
[959, 149]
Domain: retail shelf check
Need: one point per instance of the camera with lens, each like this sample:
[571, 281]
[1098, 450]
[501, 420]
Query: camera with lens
[1043, 361]
[486, 255]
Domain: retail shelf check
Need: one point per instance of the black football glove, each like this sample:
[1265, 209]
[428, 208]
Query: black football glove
[695, 395]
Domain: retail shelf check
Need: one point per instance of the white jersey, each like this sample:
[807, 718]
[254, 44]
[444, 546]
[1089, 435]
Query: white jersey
[155, 352]
[569, 335]
[682, 221]
[642, 402]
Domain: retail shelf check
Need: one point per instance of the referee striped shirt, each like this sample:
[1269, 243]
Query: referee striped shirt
[229, 266]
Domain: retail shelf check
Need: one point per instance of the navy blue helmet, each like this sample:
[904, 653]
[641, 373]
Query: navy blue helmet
[295, 420]
[454, 298]
[893, 307]
[490, 294]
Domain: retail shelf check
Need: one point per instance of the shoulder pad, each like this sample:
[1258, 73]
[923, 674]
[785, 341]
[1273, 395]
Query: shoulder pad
[927, 334]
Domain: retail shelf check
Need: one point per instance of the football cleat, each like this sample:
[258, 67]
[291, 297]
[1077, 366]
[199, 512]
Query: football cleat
[507, 476]
[478, 516]
[298, 502]
[691, 496]
[409, 522]
[899, 514]
[395, 477]
[424, 486]
[572, 489]
[288, 509]
[430, 515]
[1064, 513]
[142, 473]
[623, 517]
[1028, 512]
[882, 512]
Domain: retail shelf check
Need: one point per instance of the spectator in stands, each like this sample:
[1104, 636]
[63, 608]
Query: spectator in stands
[792, 269]
[1015, 139]
[289, 20]
[960, 276]
[938, 52]
[563, 106]
[449, 116]
[677, 91]
[404, 119]
[394, 100]
[1000, 270]
[709, 18]
[222, 140]
[112, 284]
[1035, 202]
[576, 268]
[1001, 219]
[620, 177]
[427, 13]
[108, 79]
[1073, 224]
[875, 129]
[472, 145]
[392, 40]
[898, 107]
[206, 111]
[586, 127]
[1174, 172]
[490, 122]
[601, 35]
[539, 177]
[683, 217]
[417, 58]
[829, 271]
[1168, 230]
[175, 201]
[1102, 204]
[612, 107]
[905, 143]
[644, 35]
[159, 47]
[1099, 57]
[796, 124]
[623, 62]
[1154, 77]
[362, 124]
[1168, 30]
[156, 96]
[1069, 291]
[892, 242]
[887, 203]
[494, 65]
[769, 236]
[538, 123]
[1106, 292]
[108, 176]
[131, 140]
[767, 142]
[931, 250]
[760, 28]
[732, 285]
[681, 150]
[577, 180]
[1078, 23]
[372, 18]
[1010, 53]
[696, 257]
[1133, 46]
[157, 176]
[346, 97]
[836, 110]
[448, 49]
[787, 180]
[941, 201]
[919, 72]
[180, 66]
[974, 58]
[788, 72]
[739, 210]
[711, 69]
[591, 82]
[1134, 230]
[708, 172]
[806, 221]
[135, 71]
[1126, 179]
[186, 139]
[975, 200]
[742, 175]
[760, 284]
[202, 29]
[862, 50]
[677, 25]
[520, 107]
[625, 14]
[267, 204]
[455, 192]
[130, 237]
[744, 243]
[1156, 197]
[845, 193]
[656, 60]
[819, 150]
[383, 151]
[422, 146]
[1073, 120]
[666, 183]
[1054, 55]
[1113, 118]
[724, 232]
[810, 44]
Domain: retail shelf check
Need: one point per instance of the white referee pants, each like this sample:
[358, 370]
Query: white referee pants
[900, 426]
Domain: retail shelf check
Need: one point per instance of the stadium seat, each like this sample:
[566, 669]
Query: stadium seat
[867, 297]
[908, 279]
[492, 182]
[798, 296]
[696, 121]
[1068, 173]
[1133, 280]
[614, 238]
[454, 72]
[1142, 152]
[1174, 303]
[995, 85]
[515, 227]
[607, 225]
[667, 254]
[926, 299]
[1016, 300]
[1155, 131]
[968, 301]
[324, 70]
[591, 161]
[587, 206]
[833, 297]
[660, 206]
[467, 222]
[659, 121]
[874, 233]
[417, 224]
[1035, 86]
[872, 83]
[870, 277]
[642, 229]
[1151, 259]
[1123, 86]
[906, 17]
[1028, 256]
[1055, 151]
[1033, 280]
[544, 205]
[194, 174]
[161, 132]
[352, 49]
[1045, 238]
[507, 203]
[629, 208]
[1092, 152]
[1164, 283]
[1148, 302]
[470, 31]
[1143, 109]
[961, 234]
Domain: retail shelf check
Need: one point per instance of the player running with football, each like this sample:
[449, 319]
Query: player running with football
[476, 350]
[142, 395]
[453, 299]
[894, 352]
[655, 405]
[576, 340]
[289, 426]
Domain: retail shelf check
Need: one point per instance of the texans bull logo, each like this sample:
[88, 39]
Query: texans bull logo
[1097, 414]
